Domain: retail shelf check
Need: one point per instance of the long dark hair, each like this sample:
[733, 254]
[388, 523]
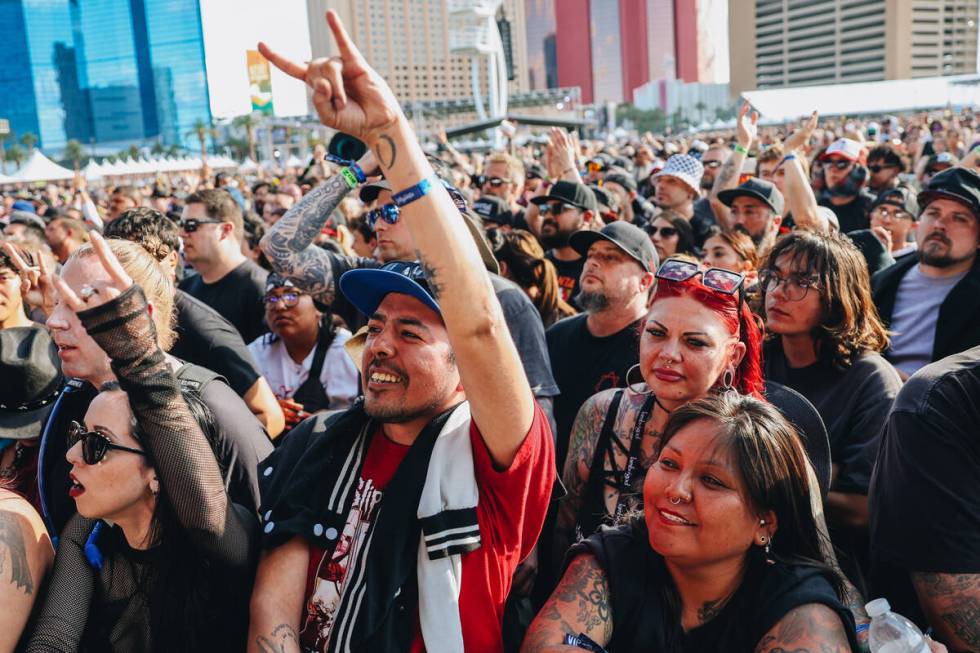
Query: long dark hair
[528, 268]
[849, 324]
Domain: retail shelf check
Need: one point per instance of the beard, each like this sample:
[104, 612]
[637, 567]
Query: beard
[592, 301]
[556, 239]
[943, 258]
[756, 238]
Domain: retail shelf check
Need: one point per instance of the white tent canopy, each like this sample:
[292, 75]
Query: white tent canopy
[894, 96]
[41, 168]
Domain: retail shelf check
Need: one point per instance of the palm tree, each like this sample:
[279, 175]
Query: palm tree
[249, 122]
[202, 130]
[74, 153]
[701, 106]
[16, 154]
[29, 140]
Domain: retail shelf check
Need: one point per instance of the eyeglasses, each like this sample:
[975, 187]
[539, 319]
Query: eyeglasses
[95, 445]
[666, 232]
[795, 286]
[286, 300]
[724, 281]
[557, 208]
[891, 213]
[495, 181]
[875, 168]
[386, 212]
[840, 164]
[191, 225]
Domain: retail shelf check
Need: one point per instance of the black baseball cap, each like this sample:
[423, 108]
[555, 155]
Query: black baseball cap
[621, 177]
[760, 189]
[901, 196]
[959, 184]
[629, 238]
[570, 192]
[493, 209]
[536, 170]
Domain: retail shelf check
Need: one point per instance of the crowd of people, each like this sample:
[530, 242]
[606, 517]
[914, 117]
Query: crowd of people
[702, 392]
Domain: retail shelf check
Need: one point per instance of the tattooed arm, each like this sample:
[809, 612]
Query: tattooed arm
[951, 603]
[581, 449]
[580, 604]
[277, 599]
[25, 559]
[289, 244]
[811, 628]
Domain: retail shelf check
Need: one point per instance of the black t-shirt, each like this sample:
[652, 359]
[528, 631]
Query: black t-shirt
[853, 215]
[209, 340]
[584, 365]
[237, 297]
[644, 620]
[854, 405]
[568, 276]
[925, 493]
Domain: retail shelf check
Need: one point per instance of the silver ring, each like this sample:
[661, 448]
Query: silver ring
[676, 502]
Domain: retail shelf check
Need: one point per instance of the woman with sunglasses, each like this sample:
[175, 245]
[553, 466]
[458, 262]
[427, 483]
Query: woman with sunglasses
[303, 358]
[671, 234]
[157, 557]
[725, 555]
[698, 336]
[825, 339]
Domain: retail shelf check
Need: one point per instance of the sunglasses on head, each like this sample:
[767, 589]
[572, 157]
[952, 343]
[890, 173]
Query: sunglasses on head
[719, 280]
[191, 225]
[287, 299]
[666, 232]
[95, 445]
[386, 212]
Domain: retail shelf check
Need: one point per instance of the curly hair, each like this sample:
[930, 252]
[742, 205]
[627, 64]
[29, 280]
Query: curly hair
[849, 325]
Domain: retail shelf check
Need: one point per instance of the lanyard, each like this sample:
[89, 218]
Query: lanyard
[636, 446]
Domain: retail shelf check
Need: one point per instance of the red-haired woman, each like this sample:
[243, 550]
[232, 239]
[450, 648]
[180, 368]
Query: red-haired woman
[699, 335]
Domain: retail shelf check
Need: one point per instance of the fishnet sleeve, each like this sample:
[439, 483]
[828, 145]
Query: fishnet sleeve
[181, 455]
[62, 618]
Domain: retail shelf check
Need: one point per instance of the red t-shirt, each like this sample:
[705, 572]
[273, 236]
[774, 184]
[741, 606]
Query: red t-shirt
[510, 512]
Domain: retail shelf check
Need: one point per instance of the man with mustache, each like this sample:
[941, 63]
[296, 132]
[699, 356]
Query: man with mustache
[932, 301]
[568, 207]
[757, 211]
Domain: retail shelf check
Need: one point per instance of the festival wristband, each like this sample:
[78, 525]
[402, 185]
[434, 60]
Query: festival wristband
[741, 150]
[789, 157]
[349, 177]
[352, 166]
[412, 193]
[584, 642]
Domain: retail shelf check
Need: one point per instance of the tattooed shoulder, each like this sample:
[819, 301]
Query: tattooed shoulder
[953, 599]
[586, 429]
[811, 628]
[14, 564]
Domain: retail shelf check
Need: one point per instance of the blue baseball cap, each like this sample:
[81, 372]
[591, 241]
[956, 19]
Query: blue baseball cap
[366, 288]
[23, 205]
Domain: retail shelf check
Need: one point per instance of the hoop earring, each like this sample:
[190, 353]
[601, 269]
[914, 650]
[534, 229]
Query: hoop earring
[727, 379]
[629, 384]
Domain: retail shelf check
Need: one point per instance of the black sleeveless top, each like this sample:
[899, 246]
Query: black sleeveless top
[647, 614]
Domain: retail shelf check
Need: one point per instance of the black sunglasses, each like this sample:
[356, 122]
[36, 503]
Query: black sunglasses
[840, 164]
[876, 168]
[95, 445]
[557, 208]
[666, 232]
[191, 225]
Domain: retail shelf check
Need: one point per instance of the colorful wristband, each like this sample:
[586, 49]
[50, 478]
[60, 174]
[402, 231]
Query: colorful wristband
[412, 193]
[741, 150]
[349, 177]
[355, 169]
[789, 157]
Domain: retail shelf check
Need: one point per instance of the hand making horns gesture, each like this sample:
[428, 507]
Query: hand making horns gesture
[348, 94]
[96, 295]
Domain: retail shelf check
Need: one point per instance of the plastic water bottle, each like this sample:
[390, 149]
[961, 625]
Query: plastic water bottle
[892, 633]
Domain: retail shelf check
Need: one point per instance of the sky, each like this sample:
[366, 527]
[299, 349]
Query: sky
[233, 26]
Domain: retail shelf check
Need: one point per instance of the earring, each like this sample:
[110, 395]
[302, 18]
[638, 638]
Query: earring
[727, 379]
[630, 384]
[767, 549]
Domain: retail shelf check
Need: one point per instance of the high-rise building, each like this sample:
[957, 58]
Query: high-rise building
[103, 71]
[780, 43]
[407, 41]
[542, 59]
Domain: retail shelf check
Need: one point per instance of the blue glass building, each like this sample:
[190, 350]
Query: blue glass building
[105, 72]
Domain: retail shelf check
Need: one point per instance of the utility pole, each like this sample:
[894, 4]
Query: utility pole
[4, 131]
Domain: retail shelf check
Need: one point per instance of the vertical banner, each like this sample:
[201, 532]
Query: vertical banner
[259, 82]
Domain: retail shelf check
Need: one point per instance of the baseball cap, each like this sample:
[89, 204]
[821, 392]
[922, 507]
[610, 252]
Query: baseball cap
[629, 238]
[32, 377]
[493, 209]
[31, 219]
[845, 148]
[570, 192]
[605, 199]
[621, 177]
[943, 159]
[760, 189]
[957, 184]
[366, 288]
[684, 167]
[23, 205]
[900, 196]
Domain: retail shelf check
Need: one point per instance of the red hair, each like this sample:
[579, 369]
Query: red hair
[748, 376]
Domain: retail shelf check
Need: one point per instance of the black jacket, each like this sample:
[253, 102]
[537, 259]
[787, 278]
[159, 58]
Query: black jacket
[958, 326]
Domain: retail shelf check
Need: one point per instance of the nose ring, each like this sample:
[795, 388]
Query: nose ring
[676, 501]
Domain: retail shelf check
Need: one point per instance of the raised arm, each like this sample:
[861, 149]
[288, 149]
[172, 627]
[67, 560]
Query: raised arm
[352, 97]
[732, 168]
[800, 200]
[183, 459]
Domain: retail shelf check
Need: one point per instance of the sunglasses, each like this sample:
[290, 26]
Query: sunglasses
[496, 182]
[386, 212]
[722, 281]
[95, 445]
[891, 213]
[711, 164]
[666, 232]
[191, 225]
[840, 164]
[287, 300]
[875, 168]
[557, 208]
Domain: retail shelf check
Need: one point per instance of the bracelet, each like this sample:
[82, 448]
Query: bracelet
[741, 150]
[412, 193]
[351, 164]
[789, 157]
[349, 176]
